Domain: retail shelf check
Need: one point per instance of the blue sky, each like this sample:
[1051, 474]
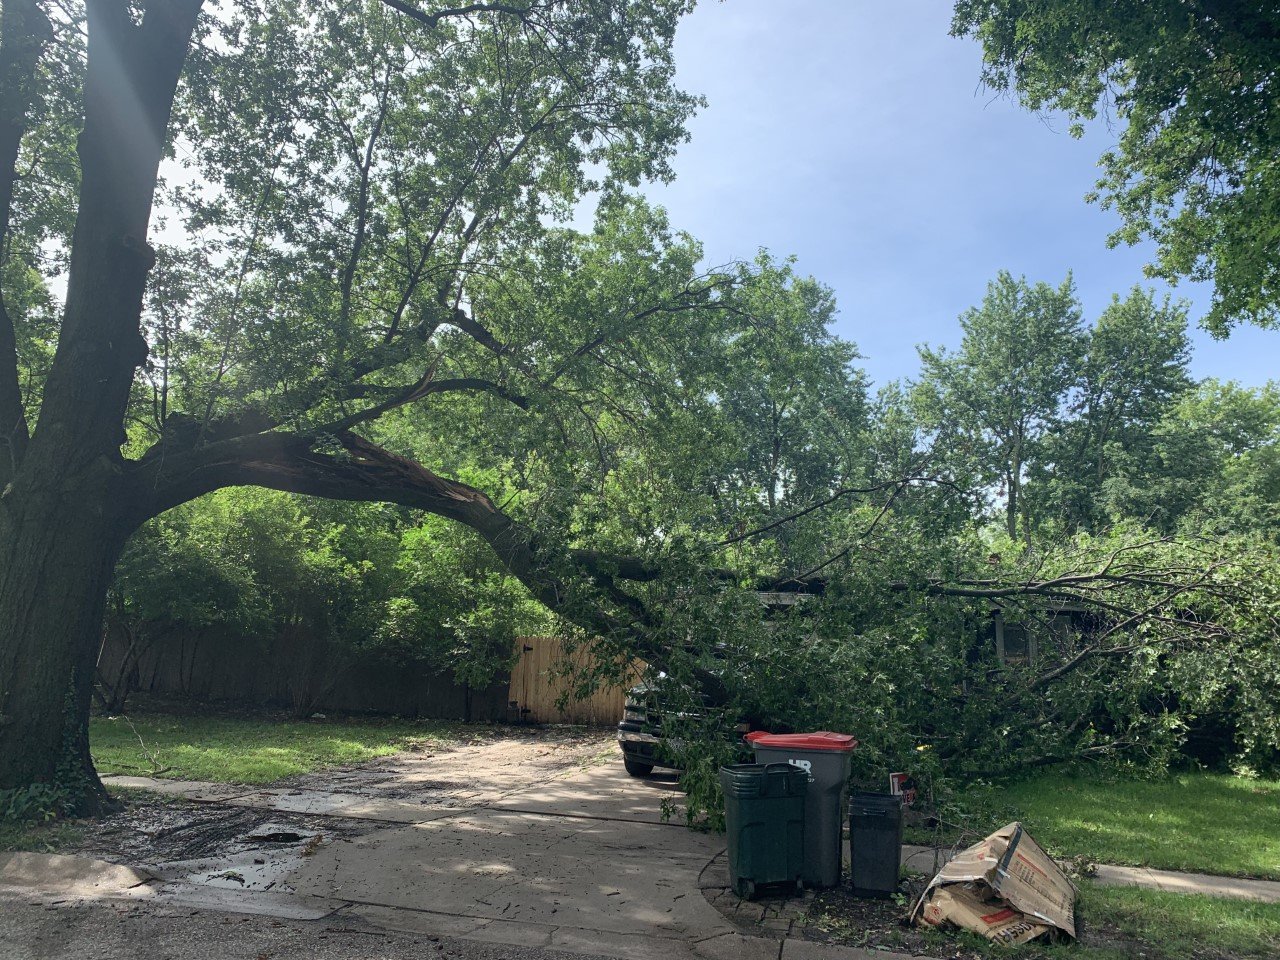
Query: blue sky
[855, 136]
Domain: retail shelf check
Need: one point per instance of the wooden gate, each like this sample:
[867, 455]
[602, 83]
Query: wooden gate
[536, 689]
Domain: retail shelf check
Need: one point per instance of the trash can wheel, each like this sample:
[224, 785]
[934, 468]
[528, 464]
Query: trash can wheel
[799, 886]
[746, 888]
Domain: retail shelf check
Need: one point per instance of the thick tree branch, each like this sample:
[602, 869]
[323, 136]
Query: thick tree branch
[477, 332]
[24, 32]
[1150, 612]
[432, 20]
[363, 471]
[402, 397]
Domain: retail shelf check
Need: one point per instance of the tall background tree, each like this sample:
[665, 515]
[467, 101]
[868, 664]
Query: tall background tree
[1133, 367]
[999, 395]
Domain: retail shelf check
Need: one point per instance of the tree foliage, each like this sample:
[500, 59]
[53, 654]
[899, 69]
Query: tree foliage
[363, 209]
[998, 397]
[317, 587]
[368, 392]
[1134, 366]
[1193, 89]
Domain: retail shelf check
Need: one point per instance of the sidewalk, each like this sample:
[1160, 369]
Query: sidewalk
[922, 860]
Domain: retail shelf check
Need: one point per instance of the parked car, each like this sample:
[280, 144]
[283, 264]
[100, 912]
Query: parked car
[641, 735]
[643, 730]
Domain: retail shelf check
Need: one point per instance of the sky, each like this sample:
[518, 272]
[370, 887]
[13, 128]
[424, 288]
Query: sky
[856, 137]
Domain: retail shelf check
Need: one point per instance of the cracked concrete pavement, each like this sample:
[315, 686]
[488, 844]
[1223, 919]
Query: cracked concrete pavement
[538, 841]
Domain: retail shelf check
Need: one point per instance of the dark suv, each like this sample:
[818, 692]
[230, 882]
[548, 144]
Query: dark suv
[641, 734]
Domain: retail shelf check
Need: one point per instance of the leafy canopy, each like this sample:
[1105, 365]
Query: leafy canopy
[1195, 89]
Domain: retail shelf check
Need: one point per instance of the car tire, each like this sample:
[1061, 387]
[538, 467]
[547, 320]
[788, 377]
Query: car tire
[636, 768]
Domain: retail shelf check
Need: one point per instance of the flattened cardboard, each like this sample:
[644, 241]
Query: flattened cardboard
[1006, 870]
[962, 905]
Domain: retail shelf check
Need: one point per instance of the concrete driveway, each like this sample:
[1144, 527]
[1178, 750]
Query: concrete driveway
[531, 840]
[580, 862]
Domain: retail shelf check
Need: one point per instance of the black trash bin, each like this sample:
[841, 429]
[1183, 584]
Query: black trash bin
[875, 844]
[764, 820]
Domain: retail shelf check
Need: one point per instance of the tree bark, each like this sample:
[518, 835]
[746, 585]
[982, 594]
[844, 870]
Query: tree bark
[1011, 506]
[24, 31]
[56, 558]
[68, 507]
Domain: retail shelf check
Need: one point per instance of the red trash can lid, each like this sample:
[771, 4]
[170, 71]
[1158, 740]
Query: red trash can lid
[820, 740]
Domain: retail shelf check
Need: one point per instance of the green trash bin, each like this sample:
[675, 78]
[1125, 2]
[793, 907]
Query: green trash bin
[764, 821]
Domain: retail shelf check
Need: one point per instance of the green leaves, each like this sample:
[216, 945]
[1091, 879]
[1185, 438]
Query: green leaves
[453, 605]
[361, 174]
[995, 399]
[321, 585]
[1133, 368]
[1194, 87]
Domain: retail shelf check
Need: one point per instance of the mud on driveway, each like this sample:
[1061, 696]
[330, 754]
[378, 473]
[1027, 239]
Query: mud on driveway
[528, 837]
[241, 845]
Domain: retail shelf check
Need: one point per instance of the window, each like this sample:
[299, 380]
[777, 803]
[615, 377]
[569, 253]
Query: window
[1014, 645]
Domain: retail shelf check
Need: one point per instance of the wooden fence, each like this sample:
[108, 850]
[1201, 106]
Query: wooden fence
[536, 687]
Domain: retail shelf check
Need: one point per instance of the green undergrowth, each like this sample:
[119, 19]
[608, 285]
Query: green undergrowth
[252, 749]
[1202, 822]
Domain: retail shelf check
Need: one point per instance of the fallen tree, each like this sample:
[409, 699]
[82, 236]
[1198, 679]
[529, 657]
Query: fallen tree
[387, 163]
[372, 300]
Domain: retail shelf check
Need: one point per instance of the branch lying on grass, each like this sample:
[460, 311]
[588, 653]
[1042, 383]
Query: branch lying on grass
[149, 771]
[156, 768]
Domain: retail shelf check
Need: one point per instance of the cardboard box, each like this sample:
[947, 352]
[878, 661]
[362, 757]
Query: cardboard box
[961, 904]
[1005, 888]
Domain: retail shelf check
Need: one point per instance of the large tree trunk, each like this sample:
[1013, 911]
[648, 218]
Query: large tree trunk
[56, 558]
[67, 508]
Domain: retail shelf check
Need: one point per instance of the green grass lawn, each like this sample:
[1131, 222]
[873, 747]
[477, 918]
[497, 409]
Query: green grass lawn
[247, 749]
[1209, 823]
[1179, 925]
[1121, 923]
